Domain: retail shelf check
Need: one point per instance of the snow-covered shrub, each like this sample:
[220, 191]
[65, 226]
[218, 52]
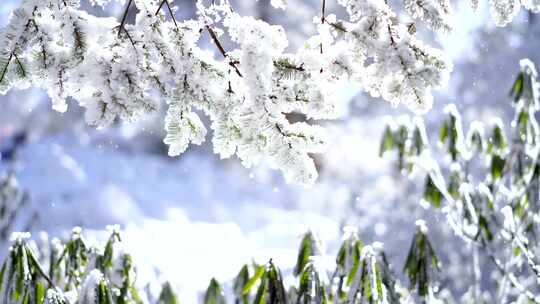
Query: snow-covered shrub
[13, 207]
[358, 274]
[487, 186]
[74, 273]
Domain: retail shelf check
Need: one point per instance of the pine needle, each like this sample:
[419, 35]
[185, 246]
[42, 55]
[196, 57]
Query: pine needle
[288, 69]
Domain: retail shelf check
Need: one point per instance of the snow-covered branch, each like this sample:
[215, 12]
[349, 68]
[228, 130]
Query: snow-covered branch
[123, 71]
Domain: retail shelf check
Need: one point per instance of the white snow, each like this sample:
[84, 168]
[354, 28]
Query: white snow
[195, 223]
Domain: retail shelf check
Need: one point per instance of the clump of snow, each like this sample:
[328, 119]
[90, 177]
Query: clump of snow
[103, 3]
[113, 229]
[282, 4]
[528, 66]
[436, 14]
[19, 236]
[349, 232]
[88, 291]
[421, 225]
[76, 232]
[378, 246]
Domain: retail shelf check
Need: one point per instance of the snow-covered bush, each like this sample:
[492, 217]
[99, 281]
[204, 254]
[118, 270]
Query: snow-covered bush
[14, 211]
[487, 186]
[71, 272]
[78, 273]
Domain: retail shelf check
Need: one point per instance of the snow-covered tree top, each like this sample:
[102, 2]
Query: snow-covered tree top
[122, 71]
[421, 225]
[19, 236]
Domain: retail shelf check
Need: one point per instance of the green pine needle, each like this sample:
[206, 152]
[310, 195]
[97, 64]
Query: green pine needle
[288, 68]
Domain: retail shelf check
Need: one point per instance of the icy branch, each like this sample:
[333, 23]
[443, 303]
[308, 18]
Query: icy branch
[123, 71]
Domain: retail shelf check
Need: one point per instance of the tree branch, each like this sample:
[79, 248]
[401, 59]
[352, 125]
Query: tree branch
[323, 11]
[4, 71]
[123, 22]
[323, 19]
[221, 49]
[122, 27]
[159, 7]
[19, 64]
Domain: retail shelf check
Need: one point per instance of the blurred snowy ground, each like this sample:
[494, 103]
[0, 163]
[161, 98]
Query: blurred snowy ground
[195, 215]
[190, 218]
[212, 218]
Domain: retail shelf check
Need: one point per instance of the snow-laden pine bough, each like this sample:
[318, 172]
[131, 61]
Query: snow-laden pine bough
[120, 70]
[495, 207]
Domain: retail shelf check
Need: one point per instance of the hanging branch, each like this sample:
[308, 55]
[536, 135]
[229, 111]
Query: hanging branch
[221, 49]
[287, 79]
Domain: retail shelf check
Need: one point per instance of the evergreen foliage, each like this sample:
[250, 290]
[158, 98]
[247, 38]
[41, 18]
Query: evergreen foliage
[494, 207]
[74, 272]
[118, 70]
[13, 206]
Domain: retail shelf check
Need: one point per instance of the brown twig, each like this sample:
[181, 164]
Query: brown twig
[338, 27]
[221, 49]
[166, 2]
[124, 18]
[4, 71]
[123, 23]
[159, 7]
[323, 19]
[20, 64]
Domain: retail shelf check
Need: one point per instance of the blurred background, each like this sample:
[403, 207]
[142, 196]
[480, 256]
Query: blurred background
[190, 218]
